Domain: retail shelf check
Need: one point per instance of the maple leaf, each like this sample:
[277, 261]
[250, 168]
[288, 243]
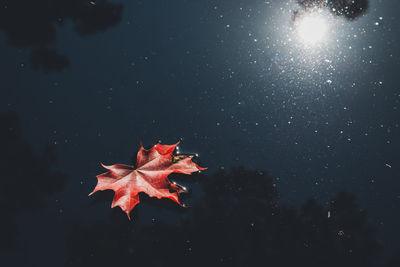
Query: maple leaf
[150, 176]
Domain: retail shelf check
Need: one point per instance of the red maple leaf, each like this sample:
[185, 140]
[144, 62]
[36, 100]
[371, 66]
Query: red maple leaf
[150, 176]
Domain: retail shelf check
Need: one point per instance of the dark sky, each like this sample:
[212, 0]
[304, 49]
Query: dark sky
[230, 79]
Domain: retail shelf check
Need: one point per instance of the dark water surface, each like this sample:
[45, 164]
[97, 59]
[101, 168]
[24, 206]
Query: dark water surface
[294, 107]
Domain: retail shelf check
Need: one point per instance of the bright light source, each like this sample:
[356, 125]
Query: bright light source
[312, 28]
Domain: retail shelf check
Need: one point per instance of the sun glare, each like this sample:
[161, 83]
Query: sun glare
[312, 28]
